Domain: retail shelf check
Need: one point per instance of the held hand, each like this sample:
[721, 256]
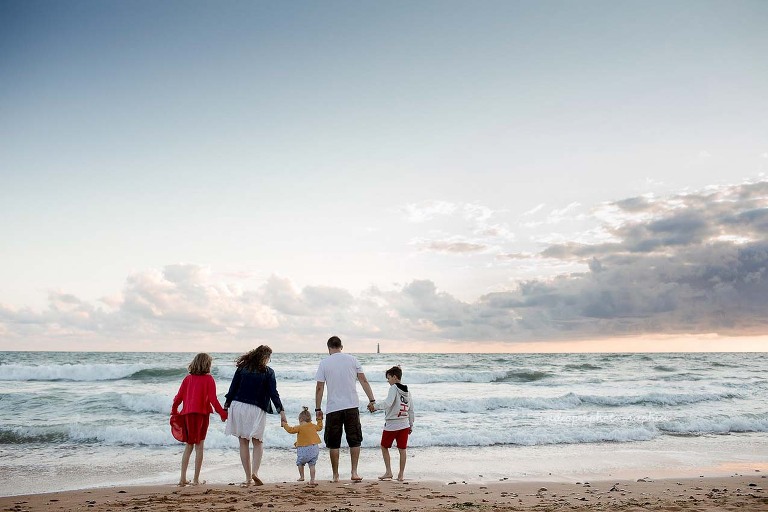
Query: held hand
[318, 415]
[371, 407]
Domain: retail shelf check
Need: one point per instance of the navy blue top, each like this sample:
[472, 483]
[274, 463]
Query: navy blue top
[256, 388]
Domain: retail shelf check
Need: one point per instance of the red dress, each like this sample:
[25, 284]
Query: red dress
[198, 394]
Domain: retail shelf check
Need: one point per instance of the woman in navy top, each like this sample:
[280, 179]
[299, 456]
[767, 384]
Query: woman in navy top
[250, 398]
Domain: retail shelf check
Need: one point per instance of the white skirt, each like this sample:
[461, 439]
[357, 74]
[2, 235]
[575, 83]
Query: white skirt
[246, 420]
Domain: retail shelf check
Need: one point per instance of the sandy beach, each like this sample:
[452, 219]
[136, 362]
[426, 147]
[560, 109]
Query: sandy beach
[737, 492]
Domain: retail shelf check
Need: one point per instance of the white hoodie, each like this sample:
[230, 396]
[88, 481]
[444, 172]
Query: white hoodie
[398, 406]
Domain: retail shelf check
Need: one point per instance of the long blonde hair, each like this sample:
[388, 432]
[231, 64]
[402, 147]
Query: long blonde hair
[201, 364]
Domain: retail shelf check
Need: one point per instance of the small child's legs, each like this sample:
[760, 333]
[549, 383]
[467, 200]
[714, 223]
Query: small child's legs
[307, 455]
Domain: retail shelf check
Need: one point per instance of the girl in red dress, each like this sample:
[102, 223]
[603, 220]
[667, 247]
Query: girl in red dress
[198, 394]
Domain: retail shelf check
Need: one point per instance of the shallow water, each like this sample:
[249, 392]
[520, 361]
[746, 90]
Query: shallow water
[80, 419]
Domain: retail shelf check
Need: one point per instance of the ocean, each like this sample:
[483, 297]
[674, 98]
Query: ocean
[73, 420]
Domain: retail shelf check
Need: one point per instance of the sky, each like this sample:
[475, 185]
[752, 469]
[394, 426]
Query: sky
[429, 176]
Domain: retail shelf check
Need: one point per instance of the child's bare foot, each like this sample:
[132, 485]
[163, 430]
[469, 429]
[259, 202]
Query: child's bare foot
[386, 476]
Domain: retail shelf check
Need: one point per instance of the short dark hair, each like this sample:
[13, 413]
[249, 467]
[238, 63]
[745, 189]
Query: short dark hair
[395, 371]
[334, 342]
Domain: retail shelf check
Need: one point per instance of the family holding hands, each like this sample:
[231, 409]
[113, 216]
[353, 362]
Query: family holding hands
[253, 394]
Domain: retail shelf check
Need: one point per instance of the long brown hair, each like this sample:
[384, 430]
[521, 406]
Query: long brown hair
[256, 359]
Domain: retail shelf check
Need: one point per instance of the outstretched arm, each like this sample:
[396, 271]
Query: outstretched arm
[391, 397]
[214, 400]
[319, 390]
[366, 386]
[233, 387]
[179, 397]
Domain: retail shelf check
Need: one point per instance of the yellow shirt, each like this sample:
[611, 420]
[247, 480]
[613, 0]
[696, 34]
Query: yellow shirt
[307, 433]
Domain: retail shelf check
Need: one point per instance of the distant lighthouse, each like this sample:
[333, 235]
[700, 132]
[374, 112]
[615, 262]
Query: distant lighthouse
[378, 348]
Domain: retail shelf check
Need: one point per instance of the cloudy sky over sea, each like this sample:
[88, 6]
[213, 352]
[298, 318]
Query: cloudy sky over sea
[482, 176]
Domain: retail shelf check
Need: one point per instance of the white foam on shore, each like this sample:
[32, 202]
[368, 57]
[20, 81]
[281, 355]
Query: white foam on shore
[659, 458]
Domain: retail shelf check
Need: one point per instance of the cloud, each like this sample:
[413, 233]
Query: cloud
[427, 210]
[687, 263]
[469, 225]
[454, 246]
[534, 210]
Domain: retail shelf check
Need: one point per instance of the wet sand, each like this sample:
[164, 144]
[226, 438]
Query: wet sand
[737, 492]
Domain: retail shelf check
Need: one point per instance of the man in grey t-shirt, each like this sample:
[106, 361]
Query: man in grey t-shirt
[340, 372]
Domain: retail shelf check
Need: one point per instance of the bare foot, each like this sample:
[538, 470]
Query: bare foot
[356, 478]
[386, 476]
[200, 482]
[256, 480]
[312, 483]
[335, 479]
[246, 484]
[300, 479]
[182, 484]
[400, 478]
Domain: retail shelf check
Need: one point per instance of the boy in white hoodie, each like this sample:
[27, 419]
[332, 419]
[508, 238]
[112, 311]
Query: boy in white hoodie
[398, 420]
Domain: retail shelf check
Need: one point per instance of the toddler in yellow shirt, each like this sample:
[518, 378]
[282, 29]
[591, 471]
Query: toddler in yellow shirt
[307, 443]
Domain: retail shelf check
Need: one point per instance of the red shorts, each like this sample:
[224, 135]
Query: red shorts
[194, 427]
[401, 436]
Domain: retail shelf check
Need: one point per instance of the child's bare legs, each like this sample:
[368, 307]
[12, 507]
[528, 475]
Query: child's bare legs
[185, 463]
[245, 459]
[301, 473]
[387, 468]
[198, 461]
[311, 474]
[402, 464]
[258, 453]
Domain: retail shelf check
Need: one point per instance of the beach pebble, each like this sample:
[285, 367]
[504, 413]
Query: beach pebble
[542, 489]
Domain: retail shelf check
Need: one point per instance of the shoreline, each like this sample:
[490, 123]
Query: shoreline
[739, 491]
[663, 458]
